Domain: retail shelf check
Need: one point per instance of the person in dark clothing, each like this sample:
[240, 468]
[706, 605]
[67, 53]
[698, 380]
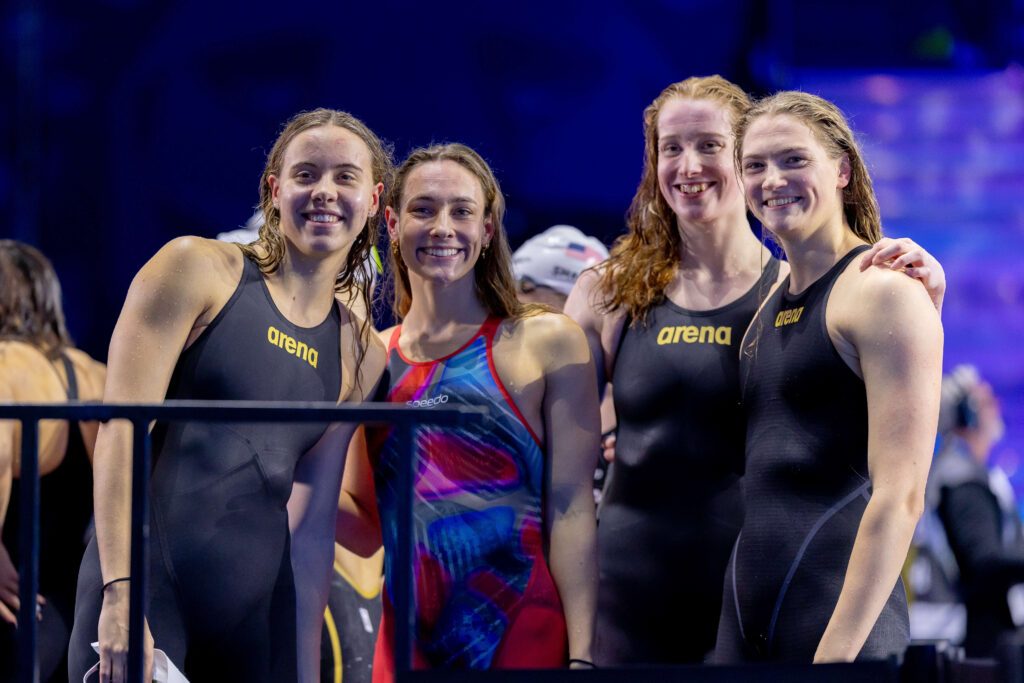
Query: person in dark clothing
[840, 374]
[242, 514]
[39, 364]
[977, 508]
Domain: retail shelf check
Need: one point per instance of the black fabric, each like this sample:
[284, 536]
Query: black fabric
[356, 619]
[672, 507]
[65, 511]
[222, 603]
[989, 563]
[806, 486]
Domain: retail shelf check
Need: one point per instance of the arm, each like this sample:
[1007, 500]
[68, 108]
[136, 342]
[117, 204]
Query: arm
[357, 526]
[895, 330]
[970, 515]
[165, 301]
[312, 508]
[581, 306]
[572, 428]
[906, 255]
[9, 602]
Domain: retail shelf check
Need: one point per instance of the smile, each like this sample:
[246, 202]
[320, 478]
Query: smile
[693, 188]
[440, 252]
[781, 201]
[322, 217]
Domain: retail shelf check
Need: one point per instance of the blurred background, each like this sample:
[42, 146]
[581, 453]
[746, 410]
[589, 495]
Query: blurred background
[129, 122]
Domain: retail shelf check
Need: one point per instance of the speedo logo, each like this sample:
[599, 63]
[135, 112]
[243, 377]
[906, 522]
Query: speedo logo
[692, 334]
[788, 316]
[428, 402]
[292, 345]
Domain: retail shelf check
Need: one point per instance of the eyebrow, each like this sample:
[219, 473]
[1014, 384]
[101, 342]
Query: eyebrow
[788, 150]
[434, 198]
[345, 166]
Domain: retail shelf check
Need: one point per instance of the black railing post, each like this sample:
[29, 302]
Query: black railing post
[404, 573]
[28, 548]
[140, 549]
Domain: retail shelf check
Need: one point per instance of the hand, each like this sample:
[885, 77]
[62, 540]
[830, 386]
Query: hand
[10, 603]
[906, 255]
[608, 446]
[113, 636]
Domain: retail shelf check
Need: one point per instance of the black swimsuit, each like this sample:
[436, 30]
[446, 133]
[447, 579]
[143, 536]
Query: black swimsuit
[65, 511]
[222, 601]
[672, 507]
[806, 487]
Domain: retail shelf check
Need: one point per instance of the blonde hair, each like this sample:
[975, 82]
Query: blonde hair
[829, 126]
[644, 260]
[492, 274]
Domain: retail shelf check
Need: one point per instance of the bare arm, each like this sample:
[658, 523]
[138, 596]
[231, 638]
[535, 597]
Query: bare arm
[905, 254]
[9, 601]
[896, 332]
[583, 306]
[357, 526]
[312, 507]
[572, 428]
[166, 299]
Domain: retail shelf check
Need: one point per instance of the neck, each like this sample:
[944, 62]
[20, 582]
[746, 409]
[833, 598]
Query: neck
[811, 254]
[439, 307]
[303, 287]
[723, 247]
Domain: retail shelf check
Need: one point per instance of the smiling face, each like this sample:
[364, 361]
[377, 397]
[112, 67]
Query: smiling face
[442, 223]
[325, 191]
[696, 174]
[791, 183]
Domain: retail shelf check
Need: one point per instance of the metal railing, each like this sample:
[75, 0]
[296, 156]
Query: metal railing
[403, 418]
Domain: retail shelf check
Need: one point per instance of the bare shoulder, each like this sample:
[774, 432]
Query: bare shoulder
[587, 298]
[551, 337]
[27, 374]
[363, 356]
[91, 374]
[198, 260]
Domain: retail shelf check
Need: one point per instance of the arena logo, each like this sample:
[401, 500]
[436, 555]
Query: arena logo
[292, 345]
[692, 334]
[789, 316]
[428, 402]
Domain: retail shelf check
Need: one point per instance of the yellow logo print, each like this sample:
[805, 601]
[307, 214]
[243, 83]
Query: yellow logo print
[691, 334]
[291, 345]
[789, 316]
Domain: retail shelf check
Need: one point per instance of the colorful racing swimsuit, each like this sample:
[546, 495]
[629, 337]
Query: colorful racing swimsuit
[483, 595]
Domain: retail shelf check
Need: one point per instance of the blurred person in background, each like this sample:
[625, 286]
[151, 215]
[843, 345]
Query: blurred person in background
[978, 510]
[39, 364]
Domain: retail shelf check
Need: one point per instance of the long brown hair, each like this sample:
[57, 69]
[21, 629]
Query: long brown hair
[643, 261]
[30, 299]
[492, 274]
[268, 250]
[826, 121]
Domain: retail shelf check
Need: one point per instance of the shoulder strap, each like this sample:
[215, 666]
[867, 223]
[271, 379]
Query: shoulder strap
[490, 328]
[393, 341]
[69, 369]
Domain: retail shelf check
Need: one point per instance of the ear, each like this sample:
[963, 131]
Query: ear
[375, 198]
[391, 221]
[275, 189]
[488, 231]
[845, 172]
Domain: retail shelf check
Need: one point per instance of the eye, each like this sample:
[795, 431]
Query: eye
[347, 177]
[752, 166]
[669, 149]
[712, 146]
[304, 175]
[463, 212]
[795, 160]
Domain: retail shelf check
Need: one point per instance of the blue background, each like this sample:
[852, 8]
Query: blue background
[129, 122]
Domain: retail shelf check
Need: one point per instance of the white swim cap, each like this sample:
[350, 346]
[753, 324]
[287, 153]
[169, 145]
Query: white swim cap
[556, 257]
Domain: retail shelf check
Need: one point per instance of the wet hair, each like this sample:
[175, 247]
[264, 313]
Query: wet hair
[268, 249]
[829, 126]
[643, 262]
[30, 299]
[493, 281]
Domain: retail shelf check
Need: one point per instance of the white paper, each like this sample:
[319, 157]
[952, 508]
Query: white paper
[164, 670]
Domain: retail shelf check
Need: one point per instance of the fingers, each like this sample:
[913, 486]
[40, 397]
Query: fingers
[11, 599]
[112, 666]
[608, 447]
[7, 615]
[922, 273]
[887, 249]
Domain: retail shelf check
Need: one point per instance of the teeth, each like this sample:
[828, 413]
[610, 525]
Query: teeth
[782, 201]
[439, 251]
[693, 188]
[323, 218]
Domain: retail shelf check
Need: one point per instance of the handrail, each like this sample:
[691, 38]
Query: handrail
[140, 415]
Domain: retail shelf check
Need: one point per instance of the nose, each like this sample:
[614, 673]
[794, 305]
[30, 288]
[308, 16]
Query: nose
[325, 189]
[772, 179]
[689, 163]
[442, 225]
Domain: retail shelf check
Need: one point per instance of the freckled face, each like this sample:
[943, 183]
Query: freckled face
[442, 223]
[790, 182]
[696, 172]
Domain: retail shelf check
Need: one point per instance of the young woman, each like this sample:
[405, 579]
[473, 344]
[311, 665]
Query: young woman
[504, 556]
[664, 318]
[242, 514]
[39, 364]
[840, 383]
